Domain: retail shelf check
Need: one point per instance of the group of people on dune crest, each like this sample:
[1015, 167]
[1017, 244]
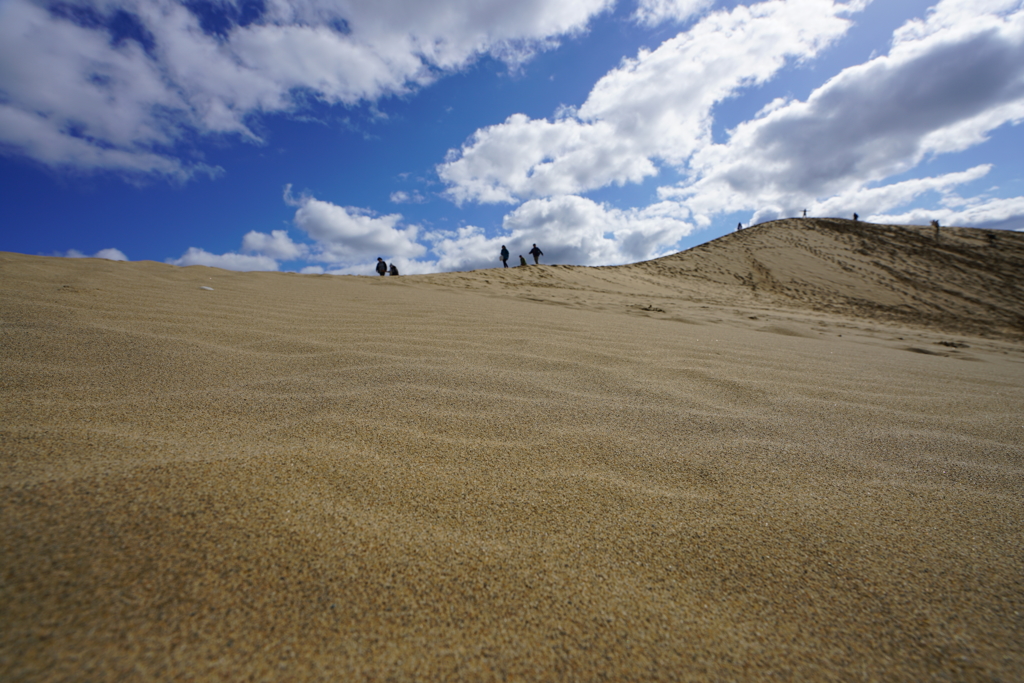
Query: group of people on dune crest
[536, 253]
[383, 268]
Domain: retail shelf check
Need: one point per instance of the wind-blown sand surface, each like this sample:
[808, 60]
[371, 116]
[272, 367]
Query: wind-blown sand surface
[793, 452]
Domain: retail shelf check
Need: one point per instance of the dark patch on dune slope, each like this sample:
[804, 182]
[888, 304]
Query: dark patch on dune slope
[968, 280]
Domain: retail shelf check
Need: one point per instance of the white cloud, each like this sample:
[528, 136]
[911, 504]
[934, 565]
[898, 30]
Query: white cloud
[277, 245]
[524, 158]
[349, 235]
[948, 14]
[70, 98]
[653, 12]
[569, 230]
[123, 84]
[654, 107]
[347, 240]
[945, 85]
[1003, 214]
[110, 254]
[403, 197]
[581, 231]
[885, 197]
[229, 261]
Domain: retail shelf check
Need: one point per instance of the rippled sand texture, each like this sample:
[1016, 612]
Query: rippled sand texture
[690, 469]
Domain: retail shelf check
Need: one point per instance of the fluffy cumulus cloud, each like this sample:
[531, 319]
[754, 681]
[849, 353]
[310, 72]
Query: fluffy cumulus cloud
[349, 235]
[110, 254]
[277, 245]
[656, 107]
[124, 84]
[589, 233]
[229, 261]
[570, 230]
[343, 239]
[948, 81]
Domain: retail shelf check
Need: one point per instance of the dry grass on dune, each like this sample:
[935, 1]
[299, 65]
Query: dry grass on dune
[716, 465]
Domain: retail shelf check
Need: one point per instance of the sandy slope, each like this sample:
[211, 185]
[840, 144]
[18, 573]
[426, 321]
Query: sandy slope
[968, 280]
[715, 465]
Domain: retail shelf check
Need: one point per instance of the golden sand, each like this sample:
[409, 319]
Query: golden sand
[795, 452]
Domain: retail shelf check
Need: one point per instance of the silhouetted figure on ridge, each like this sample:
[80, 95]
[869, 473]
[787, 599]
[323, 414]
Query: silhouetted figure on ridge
[855, 217]
[536, 253]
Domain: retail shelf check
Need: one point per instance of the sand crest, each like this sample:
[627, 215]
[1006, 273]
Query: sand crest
[795, 451]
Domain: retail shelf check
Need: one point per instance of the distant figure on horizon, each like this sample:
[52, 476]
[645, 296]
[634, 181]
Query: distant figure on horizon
[394, 270]
[522, 261]
[536, 254]
[504, 256]
[739, 226]
[805, 213]
[935, 224]
[855, 217]
[382, 268]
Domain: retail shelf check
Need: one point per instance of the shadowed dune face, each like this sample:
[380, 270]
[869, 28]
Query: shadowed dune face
[651, 471]
[964, 279]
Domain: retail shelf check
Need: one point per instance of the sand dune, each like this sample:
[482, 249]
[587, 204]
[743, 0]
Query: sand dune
[795, 451]
[965, 278]
[968, 280]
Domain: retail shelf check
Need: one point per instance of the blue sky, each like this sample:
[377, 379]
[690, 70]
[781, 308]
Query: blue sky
[316, 135]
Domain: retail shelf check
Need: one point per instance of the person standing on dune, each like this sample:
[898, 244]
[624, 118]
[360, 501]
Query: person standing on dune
[504, 256]
[536, 253]
[382, 268]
